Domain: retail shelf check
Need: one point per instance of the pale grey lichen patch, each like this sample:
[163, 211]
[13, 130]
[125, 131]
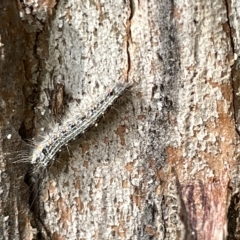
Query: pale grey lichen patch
[85, 53]
[197, 108]
[200, 95]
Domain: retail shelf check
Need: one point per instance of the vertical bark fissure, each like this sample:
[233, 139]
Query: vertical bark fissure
[229, 32]
[233, 209]
[38, 42]
[129, 35]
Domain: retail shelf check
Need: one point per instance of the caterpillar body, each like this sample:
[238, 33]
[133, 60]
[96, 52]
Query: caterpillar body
[44, 153]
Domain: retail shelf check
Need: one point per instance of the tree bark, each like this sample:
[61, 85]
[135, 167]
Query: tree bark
[163, 163]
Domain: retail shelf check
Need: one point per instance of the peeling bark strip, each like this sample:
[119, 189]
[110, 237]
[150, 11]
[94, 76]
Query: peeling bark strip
[202, 208]
[57, 101]
[73, 125]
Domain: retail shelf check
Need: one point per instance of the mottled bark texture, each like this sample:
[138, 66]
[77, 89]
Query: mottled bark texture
[163, 163]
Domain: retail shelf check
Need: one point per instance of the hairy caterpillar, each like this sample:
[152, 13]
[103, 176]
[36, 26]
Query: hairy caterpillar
[44, 153]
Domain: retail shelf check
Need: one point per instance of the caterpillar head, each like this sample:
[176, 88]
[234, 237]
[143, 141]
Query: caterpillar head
[39, 158]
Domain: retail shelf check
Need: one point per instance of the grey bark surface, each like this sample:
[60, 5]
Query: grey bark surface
[163, 163]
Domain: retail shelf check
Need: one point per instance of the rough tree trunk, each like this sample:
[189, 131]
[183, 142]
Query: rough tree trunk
[163, 162]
